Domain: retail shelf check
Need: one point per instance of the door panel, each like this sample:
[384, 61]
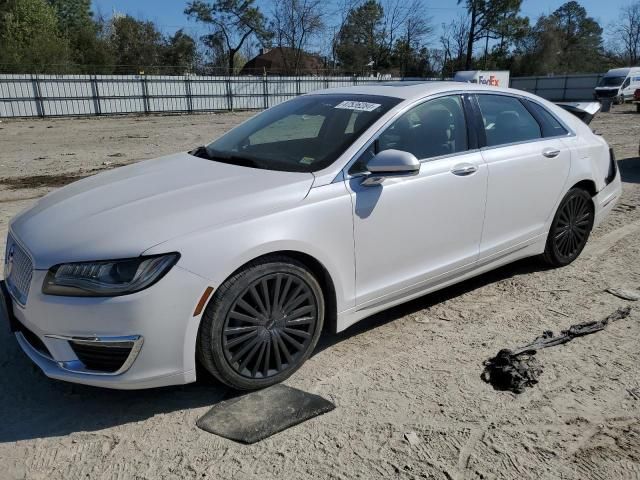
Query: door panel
[524, 187]
[409, 230]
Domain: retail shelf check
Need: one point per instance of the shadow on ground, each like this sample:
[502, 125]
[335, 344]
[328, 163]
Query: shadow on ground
[34, 406]
[630, 169]
[521, 267]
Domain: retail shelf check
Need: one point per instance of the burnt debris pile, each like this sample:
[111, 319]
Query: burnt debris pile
[515, 370]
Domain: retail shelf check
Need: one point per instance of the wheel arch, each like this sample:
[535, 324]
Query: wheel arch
[588, 185]
[319, 271]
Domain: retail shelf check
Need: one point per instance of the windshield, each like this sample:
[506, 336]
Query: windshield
[611, 81]
[305, 134]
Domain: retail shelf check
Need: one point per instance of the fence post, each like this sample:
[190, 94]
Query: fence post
[355, 79]
[535, 88]
[265, 91]
[145, 93]
[564, 90]
[37, 95]
[95, 93]
[298, 86]
[229, 95]
[187, 89]
[326, 81]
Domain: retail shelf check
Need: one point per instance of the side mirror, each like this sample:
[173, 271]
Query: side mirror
[391, 163]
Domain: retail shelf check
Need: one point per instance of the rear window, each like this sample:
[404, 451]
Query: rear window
[551, 127]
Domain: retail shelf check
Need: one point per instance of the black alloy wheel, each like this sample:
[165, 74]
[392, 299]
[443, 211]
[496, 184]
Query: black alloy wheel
[270, 326]
[262, 324]
[570, 229]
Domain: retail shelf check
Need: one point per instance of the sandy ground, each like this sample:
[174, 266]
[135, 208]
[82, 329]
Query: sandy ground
[415, 368]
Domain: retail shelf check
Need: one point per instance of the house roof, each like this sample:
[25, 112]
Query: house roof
[277, 60]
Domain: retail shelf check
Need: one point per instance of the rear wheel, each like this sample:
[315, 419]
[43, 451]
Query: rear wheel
[262, 324]
[570, 228]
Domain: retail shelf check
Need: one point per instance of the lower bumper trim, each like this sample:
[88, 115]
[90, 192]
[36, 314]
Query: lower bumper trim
[83, 347]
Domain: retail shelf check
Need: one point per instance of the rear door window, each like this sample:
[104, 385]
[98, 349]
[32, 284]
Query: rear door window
[506, 120]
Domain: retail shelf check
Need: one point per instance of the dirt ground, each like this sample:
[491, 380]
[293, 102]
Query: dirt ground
[412, 370]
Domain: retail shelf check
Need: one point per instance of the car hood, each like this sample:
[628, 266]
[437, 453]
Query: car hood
[125, 211]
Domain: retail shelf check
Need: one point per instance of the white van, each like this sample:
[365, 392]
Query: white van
[619, 84]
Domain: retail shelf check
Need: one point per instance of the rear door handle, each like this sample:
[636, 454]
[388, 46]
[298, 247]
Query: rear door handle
[464, 169]
[551, 153]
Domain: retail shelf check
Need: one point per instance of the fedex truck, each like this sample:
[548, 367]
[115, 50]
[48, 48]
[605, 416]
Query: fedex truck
[482, 77]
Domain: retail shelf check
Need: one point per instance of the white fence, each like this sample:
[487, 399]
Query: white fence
[74, 95]
[62, 95]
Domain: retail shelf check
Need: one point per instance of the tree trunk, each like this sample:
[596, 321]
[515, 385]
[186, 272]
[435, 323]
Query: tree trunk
[470, 41]
[232, 56]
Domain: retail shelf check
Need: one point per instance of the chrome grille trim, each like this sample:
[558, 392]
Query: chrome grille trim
[18, 270]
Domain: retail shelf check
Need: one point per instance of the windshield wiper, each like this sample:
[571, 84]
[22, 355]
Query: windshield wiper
[204, 152]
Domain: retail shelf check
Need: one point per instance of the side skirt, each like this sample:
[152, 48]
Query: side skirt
[351, 316]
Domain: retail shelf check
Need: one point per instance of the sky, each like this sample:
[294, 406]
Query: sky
[169, 16]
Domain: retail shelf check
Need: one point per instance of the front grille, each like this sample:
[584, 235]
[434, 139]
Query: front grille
[18, 270]
[102, 357]
[606, 93]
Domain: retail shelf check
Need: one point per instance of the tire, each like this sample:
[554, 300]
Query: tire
[262, 324]
[570, 228]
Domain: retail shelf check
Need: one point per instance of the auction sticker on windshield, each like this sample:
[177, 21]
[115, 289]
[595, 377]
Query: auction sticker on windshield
[360, 106]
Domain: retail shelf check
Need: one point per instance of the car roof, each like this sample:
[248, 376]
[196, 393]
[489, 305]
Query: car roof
[409, 90]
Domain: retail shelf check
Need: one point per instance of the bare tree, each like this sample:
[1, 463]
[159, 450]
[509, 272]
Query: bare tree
[454, 41]
[294, 24]
[627, 33]
[486, 20]
[400, 17]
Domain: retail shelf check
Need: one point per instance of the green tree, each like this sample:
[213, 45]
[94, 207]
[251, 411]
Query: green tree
[233, 22]
[30, 40]
[136, 45]
[567, 41]
[358, 44]
[180, 53]
[89, 49]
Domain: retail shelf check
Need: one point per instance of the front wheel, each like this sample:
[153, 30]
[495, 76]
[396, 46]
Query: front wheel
[570, 228]
[262, 324]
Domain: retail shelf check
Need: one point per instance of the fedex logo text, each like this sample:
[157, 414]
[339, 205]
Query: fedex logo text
[492, 81]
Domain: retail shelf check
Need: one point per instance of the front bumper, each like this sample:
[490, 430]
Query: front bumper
[153, 332]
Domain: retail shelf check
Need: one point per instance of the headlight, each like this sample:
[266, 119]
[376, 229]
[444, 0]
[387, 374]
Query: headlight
[107, 278]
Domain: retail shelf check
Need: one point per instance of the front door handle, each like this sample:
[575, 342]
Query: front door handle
[464, 169]
[551, 153]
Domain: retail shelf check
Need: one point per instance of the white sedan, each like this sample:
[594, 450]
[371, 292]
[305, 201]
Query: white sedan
[312, 215]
